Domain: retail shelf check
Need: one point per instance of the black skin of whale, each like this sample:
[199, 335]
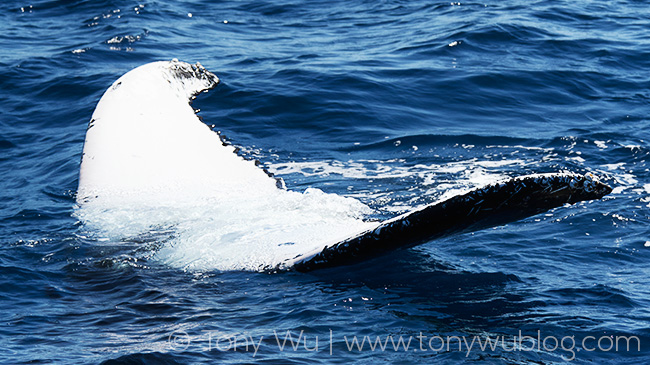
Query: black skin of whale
[490, 206]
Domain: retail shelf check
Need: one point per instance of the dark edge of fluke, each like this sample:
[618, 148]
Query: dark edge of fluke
[492, 205]
[197, 71]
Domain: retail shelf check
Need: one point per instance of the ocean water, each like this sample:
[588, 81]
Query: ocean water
[369, 108]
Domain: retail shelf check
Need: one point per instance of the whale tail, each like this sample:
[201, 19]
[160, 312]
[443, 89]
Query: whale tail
[145, 146]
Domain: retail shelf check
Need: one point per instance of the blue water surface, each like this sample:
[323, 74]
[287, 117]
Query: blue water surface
[384, 91]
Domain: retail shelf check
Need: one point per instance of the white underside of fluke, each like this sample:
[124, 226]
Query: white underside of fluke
[144, 140]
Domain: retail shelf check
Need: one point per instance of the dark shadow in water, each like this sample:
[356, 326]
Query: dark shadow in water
[427, 288]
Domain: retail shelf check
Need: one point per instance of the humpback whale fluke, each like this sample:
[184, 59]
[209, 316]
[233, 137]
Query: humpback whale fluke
[145, 144]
